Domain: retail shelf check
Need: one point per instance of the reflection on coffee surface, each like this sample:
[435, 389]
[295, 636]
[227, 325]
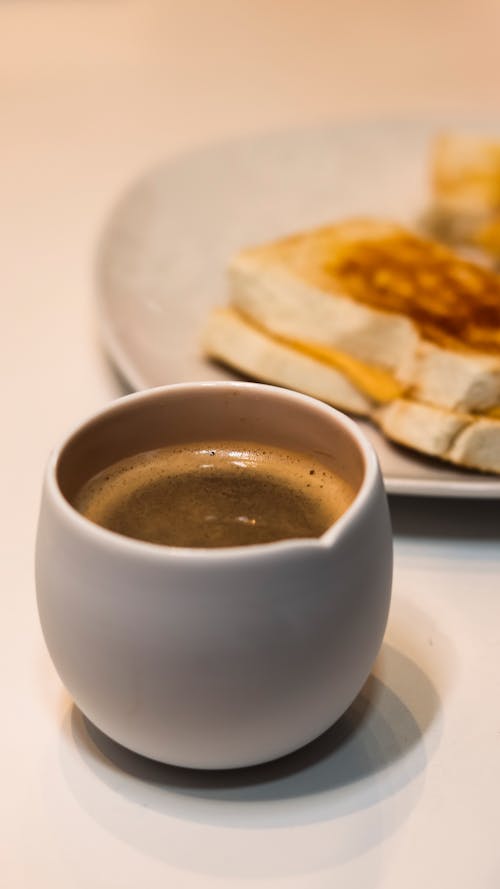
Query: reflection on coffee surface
[216, 494]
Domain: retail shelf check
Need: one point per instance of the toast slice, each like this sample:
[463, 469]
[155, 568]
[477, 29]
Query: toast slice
[465, 170]
[465, 192]
[233, 341]
[463, 439]
[397, 314]
[459, 438]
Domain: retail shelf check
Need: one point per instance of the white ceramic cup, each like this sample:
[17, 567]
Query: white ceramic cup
[213, 658]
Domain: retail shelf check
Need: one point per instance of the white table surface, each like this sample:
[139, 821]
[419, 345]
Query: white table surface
[405, 791]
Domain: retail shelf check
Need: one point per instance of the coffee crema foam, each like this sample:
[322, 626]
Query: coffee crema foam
[216, 494]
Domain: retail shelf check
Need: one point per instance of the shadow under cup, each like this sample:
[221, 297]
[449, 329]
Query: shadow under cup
[225, 657]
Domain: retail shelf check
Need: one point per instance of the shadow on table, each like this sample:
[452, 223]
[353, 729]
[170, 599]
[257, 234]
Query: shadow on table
[334, 802]
[446, 518]
[378, 732]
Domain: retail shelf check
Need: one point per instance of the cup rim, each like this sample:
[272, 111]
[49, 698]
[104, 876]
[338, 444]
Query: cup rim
[107, 538]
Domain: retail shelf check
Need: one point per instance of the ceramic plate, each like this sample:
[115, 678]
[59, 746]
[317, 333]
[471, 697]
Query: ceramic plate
[163, 254]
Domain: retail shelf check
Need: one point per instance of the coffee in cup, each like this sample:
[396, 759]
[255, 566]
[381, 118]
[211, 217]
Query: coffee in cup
[216, 493]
